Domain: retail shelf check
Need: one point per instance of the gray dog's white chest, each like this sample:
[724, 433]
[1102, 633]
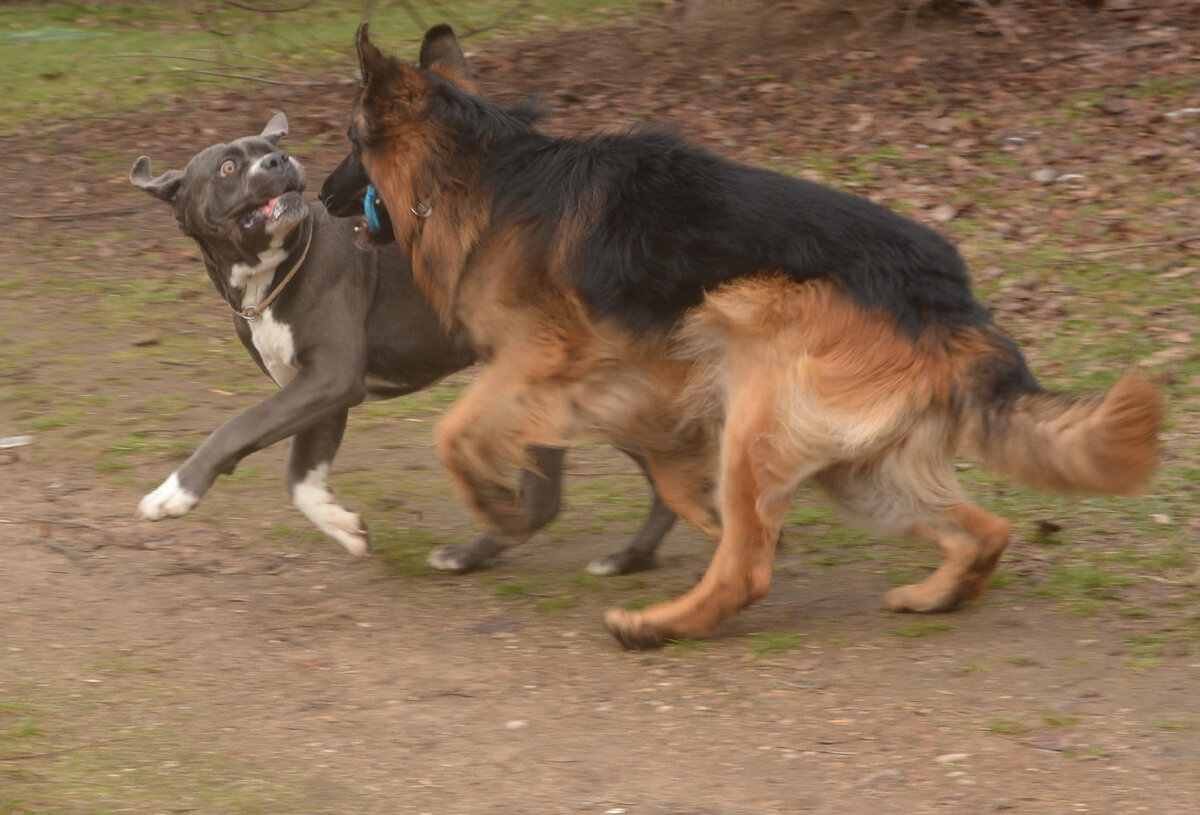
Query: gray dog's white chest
[272, 339]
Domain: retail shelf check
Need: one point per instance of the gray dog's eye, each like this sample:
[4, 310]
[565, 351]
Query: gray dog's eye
[228, 166]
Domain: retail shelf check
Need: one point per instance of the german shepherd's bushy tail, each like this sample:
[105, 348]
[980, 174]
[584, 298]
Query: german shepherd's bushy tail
[1099, 443]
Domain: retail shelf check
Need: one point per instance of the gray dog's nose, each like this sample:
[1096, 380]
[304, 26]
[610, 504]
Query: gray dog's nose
[275, 161]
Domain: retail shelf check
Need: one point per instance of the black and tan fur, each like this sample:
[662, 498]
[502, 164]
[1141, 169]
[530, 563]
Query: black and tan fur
[747, 332]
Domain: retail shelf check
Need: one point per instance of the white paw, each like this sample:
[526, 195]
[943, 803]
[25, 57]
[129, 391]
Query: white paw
[330, 517]
[169, 500]
[347, 528]
[605, 566]
[449, 559]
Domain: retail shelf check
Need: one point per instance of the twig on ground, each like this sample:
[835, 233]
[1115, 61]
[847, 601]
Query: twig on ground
[285, 10]
[64, 751]
[1186, 239]
[1080, 55]
[512, 11]
[70, 216]
[412, 12]
[67, 552]
[225, 75]
[272, 66]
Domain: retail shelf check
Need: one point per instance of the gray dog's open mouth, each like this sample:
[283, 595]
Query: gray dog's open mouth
[278, 208]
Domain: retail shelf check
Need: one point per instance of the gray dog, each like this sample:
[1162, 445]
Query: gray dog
[332, 324]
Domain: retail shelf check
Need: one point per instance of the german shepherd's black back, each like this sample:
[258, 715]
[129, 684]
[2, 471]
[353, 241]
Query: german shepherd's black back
[674, 221]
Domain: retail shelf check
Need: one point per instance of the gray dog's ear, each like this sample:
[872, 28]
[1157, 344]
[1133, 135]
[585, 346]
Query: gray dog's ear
[165, 187]
[276, 129]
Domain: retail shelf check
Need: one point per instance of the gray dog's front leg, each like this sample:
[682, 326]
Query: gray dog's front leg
[308, 466]
[305, 402]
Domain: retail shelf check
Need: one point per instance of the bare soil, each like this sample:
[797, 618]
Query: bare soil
[216, 664]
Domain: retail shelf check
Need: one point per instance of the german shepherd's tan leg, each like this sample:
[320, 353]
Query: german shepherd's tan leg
[477, 438]
[505, 412]
[973, 541]
[685, 487]
[912, 491]
[757, 483]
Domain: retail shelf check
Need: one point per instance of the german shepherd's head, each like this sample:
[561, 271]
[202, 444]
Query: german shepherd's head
[345, 189]
[419, 129]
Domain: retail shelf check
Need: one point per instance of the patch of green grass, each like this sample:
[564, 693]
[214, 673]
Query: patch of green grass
[1144, 664]
[770, 643]
[639, 603]
[1002, 578]
[124, 663]
[22, 731]
[72, 59]
[1008, 727]
[128, 449]
[1164, 87]
[590, 582]
[1090, 752]
[1174, 724]
[53, 421]
[404, 551]
[1084, 586]
[686, 645]
[922, 628]
[904, 575]
[557, 602]
[514, 588]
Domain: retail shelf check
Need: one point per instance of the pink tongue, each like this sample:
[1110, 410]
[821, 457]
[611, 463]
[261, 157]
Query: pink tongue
[269, 207]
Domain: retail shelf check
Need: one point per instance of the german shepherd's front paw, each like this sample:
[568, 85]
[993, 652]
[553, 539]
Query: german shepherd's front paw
[633, 631]
[169, 500]
[919, 598]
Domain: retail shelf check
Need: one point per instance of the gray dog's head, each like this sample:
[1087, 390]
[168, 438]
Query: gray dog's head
[237, 199]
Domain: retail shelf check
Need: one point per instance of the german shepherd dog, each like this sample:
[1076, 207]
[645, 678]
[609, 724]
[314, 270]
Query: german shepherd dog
[746, 331]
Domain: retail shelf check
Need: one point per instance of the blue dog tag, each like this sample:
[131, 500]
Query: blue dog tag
[369, 201]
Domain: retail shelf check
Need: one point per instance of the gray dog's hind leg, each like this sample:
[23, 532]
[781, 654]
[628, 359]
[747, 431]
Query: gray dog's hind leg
[639, 554]
[541, 497]
[308, 465]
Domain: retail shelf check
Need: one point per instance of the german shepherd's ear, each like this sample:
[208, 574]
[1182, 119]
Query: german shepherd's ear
[441, 53]
[386, 82]
[370, 59]
[165, 187]
[276, 129]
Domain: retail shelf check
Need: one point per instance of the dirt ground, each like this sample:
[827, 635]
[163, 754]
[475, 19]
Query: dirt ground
[235, 662]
